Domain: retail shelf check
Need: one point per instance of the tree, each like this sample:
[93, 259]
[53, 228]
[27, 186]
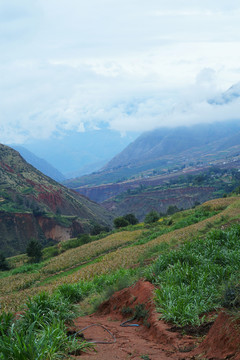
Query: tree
[172, 209]
[34, 251]
[98, 229]
[3, 263]
[84, 239]
[151, 217]
[131, 218]
[120, 222]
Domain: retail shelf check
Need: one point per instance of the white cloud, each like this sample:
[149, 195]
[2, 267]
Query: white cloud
[134, 65]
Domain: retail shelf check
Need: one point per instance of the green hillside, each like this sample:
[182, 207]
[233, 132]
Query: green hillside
[192, 257]
[34, 205]
[164, 150]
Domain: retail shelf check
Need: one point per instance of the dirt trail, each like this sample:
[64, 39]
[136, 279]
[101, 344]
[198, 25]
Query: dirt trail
[151, 340]
[130, 342]
[154, 339]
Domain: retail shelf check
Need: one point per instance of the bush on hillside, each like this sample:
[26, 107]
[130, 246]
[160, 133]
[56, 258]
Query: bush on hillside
[128, 219]
[4, 266]
[98, 229]
[131, 218]
[120, 222]
[34, 251]
[151, 217]
[172, 209]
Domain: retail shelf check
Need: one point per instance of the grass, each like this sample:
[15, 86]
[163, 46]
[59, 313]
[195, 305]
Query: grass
[40, 331]
[195, 267]
[123, 249]
[191, 279]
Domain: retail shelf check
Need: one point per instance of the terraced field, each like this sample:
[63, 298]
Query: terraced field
[125, 249]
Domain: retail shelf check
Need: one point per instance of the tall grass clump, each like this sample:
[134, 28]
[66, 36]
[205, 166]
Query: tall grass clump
[39, 333]
[45, 308]
[104, 285]
[191, 279]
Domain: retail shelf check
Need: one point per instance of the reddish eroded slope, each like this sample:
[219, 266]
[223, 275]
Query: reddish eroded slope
[223, 339]
[151, 338]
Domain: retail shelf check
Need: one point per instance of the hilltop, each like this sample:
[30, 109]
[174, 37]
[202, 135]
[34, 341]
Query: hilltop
[34, 205]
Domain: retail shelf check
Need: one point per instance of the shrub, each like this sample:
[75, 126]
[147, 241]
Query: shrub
[4, 266]
[151, 217]
[84, 239]
[34, 251]
[98, 229]
[120, 222]
[231, 296]
[172, 209]
[131, 218]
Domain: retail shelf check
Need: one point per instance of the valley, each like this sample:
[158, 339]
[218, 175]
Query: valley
[177, 167]
[175, 277]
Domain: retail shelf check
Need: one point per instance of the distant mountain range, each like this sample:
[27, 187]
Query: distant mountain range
[167, 149]
[164, 142]
[40, 164]
[141, 177]
[77, 153]
[33, 205]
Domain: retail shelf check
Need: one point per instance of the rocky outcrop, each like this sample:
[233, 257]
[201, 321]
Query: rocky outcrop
[26, 195]
[16, 230]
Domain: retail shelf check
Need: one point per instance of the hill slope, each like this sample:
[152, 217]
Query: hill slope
[33, 205]
[40, 164]
[164, 150]
[160, 166]
[189, 268]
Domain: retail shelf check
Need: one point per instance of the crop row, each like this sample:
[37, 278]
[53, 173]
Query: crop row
[17, 282]
[89, 251]
[121, 258]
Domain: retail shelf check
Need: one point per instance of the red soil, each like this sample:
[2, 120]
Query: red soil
[153, 337]
[223, 339]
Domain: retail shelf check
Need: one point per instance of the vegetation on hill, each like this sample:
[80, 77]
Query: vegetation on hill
[181, 192]
[40, 164]
[167, 150]
[33, 205]
[192, 256]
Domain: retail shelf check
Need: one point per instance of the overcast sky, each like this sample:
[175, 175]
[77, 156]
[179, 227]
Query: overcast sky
[130, 65]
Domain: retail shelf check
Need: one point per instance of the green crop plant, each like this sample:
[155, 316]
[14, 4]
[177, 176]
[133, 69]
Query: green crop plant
[40, 331]
[191, 278]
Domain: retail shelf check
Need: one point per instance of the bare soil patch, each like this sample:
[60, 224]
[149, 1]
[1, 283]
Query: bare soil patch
[223, 339]
[153, 339]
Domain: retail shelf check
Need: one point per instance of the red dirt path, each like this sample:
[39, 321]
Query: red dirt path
[155, 338]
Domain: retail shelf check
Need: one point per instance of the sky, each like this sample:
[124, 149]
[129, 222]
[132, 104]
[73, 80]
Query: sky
[122, 65]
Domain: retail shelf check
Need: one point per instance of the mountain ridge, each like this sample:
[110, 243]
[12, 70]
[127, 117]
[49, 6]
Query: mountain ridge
[46, 210]
[41, 164]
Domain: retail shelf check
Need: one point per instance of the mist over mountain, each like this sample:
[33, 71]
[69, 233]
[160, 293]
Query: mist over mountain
[80, 152]
[155, 144]
[40, 164]
[163, 150]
